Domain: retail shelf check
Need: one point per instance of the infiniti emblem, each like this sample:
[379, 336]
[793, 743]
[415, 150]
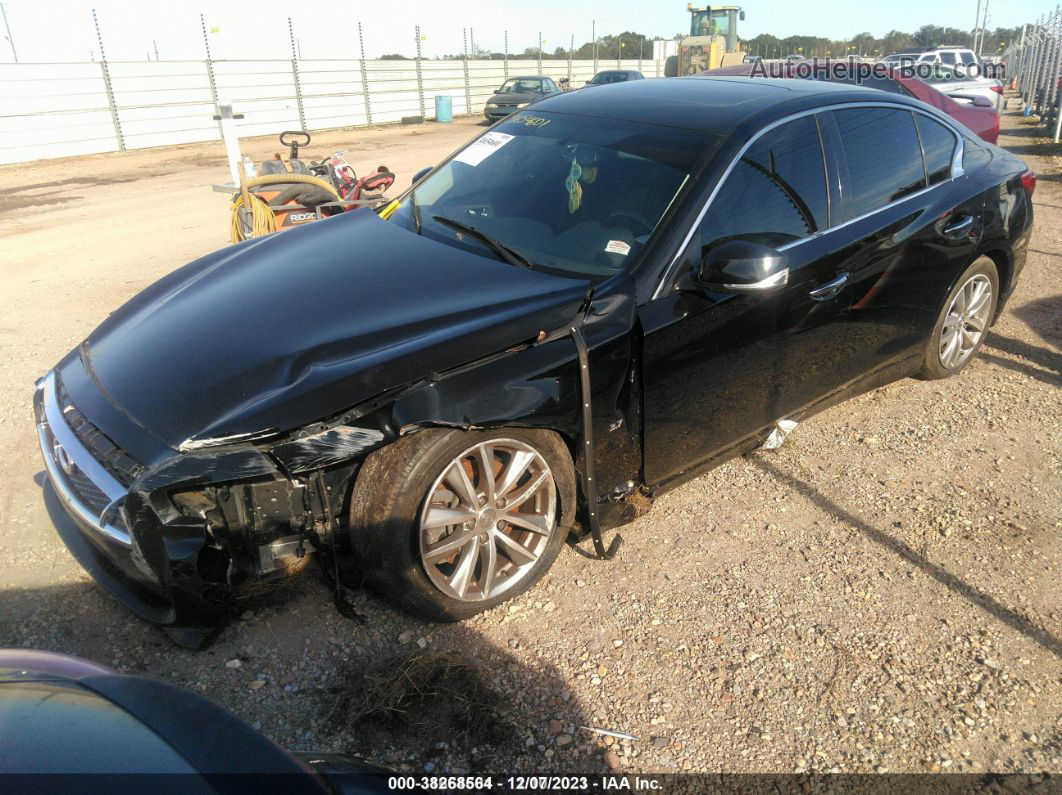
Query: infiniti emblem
[62, 459]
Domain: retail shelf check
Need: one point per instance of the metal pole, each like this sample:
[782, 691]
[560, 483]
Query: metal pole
[107, 85]
[472, 42]
[540, 52]
[981, 41]
[977, 22]
[364, 79]
[295, 75]
[7, 27]
[571, 49]
[1038, 57]
[420, 79]
[210, 73]
[593, 37]
[1052, 85]
[468, 90]
[505, 60]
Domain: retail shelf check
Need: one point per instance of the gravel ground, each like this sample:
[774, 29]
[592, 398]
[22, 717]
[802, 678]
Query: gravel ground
[880, 594]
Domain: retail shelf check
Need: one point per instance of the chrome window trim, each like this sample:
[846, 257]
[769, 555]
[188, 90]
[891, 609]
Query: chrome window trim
[956, 171]
[54, 424]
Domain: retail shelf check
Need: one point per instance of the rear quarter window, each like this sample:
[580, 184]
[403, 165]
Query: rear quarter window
[938, 146]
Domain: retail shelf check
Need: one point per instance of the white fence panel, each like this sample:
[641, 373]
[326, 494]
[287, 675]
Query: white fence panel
[54, 110]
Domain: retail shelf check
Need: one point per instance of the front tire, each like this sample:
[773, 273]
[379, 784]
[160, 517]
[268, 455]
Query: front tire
[963, 321]
[448, 523]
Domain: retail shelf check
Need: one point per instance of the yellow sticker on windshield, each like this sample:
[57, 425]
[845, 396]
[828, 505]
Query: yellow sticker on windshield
[530, 121]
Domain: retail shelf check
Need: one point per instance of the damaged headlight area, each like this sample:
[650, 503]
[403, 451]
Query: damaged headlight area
[253, 530]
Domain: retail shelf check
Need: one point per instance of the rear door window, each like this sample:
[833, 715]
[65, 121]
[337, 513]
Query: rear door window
[776, 193]
[938, 146]
[968, 57]
[948, 58]
[882, 155]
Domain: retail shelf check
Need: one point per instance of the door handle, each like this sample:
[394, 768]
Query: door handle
[959, 229]
[824, 292]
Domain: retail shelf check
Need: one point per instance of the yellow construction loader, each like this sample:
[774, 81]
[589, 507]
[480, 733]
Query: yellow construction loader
[712, 42]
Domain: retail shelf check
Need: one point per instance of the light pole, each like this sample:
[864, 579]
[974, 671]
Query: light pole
[7, 27]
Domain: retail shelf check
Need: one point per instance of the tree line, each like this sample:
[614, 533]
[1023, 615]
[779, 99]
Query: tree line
[631, 45]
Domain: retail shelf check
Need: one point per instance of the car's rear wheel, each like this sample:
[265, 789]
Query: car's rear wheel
[448, 523]
[963, 321]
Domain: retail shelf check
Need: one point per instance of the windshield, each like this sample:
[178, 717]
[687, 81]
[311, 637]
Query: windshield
[522, 85]
[566, 194]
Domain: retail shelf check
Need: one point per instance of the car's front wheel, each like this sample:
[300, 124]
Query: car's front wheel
[448, 523]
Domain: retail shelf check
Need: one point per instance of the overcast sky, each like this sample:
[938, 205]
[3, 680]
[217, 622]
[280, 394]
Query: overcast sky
[61, 30]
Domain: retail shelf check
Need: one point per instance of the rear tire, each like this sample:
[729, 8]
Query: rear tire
[448, 572]
[963, 322]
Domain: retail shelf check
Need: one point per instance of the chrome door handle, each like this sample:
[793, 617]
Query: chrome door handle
[959, 229]
[824, 292]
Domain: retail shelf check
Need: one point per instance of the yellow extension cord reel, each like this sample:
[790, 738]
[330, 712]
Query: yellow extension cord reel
[263, 220]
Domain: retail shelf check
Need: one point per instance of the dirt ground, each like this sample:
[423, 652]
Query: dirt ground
[881, 594]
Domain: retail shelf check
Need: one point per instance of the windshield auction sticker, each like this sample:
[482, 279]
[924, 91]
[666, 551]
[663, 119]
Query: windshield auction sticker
[483, 147]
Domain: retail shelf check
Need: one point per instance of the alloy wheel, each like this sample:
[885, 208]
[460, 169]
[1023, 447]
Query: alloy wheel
[487, 519]
[966, 321]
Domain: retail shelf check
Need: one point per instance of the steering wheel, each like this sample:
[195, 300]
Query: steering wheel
[631, 215]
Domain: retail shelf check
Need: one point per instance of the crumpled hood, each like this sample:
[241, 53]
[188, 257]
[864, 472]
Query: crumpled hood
[285, 330]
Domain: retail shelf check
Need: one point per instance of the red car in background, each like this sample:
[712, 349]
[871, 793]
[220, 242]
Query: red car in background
[983, 121]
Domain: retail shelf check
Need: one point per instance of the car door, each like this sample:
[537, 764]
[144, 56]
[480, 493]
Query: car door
[908, 227]
[718, 366]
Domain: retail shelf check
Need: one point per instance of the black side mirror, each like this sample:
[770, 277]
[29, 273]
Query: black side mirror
[739, 266]
[420, 174]
[497, 91]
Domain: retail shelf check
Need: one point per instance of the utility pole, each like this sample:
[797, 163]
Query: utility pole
[977, 25]
[984, 22]
[593, 38]
[7, 27]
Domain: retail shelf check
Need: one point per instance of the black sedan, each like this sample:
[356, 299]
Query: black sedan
[517, 93]
[589, 303]
[614, 76]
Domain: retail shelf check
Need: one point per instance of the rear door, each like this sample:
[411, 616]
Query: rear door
[910, 226]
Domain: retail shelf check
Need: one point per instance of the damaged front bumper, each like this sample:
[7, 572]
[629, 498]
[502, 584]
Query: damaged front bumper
[169, 566]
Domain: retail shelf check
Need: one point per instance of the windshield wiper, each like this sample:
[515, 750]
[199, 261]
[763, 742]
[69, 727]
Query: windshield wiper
[414, 210]
[503, 251]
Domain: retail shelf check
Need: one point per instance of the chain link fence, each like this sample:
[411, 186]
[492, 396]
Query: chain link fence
[61, 109]
[1035, 64]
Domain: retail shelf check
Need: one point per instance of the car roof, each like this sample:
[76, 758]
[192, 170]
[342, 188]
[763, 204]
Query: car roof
[707, 103]
[525, 77]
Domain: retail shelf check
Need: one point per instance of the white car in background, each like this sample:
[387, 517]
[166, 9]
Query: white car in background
[959, 84]
[949, 56]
